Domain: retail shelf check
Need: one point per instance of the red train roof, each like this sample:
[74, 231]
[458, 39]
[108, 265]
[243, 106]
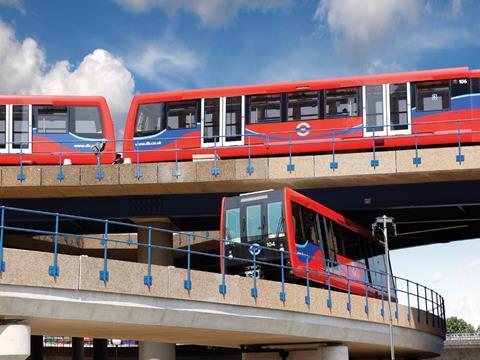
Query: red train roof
[449, 73]
[51, 99]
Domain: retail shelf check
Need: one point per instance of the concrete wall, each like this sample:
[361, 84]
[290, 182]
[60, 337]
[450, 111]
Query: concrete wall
[310, 171]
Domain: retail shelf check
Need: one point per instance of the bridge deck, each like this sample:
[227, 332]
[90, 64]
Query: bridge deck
[77, 304]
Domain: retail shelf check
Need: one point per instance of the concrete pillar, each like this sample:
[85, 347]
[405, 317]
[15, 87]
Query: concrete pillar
[14, 342]
[153, 350]
[337, 352]
[78, 348]
[36, 347]
[100, 349]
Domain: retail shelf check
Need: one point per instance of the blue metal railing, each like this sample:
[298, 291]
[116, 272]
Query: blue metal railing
[328, 140]
[430, 305]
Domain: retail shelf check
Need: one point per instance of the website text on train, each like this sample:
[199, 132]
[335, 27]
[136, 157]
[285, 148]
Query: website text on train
[284, 228]
[390, 110]
[55, 129]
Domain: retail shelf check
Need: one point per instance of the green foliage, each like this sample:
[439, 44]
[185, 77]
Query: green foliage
[456, 325]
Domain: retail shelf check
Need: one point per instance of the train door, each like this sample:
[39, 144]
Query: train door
[15, 129]
[386, 109]
[223, 121]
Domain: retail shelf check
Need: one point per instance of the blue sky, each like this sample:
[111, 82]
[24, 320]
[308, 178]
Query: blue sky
[117, 48]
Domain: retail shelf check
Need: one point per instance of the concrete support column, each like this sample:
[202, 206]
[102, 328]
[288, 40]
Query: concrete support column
[100, 349]
[337, 352]
[15, 342]
[36, 347]
[78, 348]
[153, 350]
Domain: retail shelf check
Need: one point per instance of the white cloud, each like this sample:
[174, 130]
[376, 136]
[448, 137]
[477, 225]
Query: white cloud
[26, 71]
[210, 12]
[165, 63]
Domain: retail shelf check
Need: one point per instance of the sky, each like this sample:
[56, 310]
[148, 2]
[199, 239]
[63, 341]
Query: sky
[117, 48]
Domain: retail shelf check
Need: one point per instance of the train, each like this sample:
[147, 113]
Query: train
[381, 111]
[419, 108]
[284, 227]
[56, 130]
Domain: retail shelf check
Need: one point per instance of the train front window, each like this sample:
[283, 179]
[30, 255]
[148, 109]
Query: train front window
[87, 121]
[341, 102]
[275, 220]
[182, 114]
[265, 108]
[150, 119]
[303, 106]
[232, 225]
[51, 119]
[433, 95]
[254, 222]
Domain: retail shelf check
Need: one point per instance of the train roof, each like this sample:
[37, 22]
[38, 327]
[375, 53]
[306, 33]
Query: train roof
[330, 83]
[51, 99]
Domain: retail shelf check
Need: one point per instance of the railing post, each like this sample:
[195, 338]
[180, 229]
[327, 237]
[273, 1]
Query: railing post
[176, 171]
[329, 285]
[100, 175]
[187, 284]
[53, 270]
[433, 308]
[396, 301]
[283, 296]
[307, 273]
[408, 300]
[333, 163]
[60, 175]
[215, 169]
[250, 169]
[254, 291]
[104, 273]
[148, 279]
[426, 305]
[21, 175]
[417, 160]
[222, 288]
[460, 157]
[2, 226]
[418, 304]
[349, 304]
[138, 171]
[366, 290]
[374, 162]
[291, 165]
[382, 310]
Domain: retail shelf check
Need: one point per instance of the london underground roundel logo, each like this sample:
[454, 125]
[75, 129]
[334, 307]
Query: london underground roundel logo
[303, 129]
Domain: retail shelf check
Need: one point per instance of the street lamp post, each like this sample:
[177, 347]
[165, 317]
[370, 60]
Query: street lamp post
[383, 223]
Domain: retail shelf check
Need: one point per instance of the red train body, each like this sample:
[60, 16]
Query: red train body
[343, 114]
[340, 252]
[54, 129]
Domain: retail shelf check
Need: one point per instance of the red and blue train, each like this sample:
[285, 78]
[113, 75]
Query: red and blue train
[424, 108]
[54, 129]
[269, 223]
[397, 110]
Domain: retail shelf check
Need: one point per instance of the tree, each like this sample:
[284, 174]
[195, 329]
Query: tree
[456, 325]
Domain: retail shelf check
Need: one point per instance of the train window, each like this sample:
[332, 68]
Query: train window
[374, 108]
[398, 107]
[349, 243]
[305, 225]
[254, 221]
[233, 118]
[275, 219]
[3, 126]
[341, 102]
[211, 121]
[182, 115]
[51, 119]
[21, 122]
[265, 108]
[331, 241]
[433, 95]
[87, 121]
[150, 119]
[232, 223]
[303, 106]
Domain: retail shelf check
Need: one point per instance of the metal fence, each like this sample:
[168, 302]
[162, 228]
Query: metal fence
[328, 140]
[405, 291]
